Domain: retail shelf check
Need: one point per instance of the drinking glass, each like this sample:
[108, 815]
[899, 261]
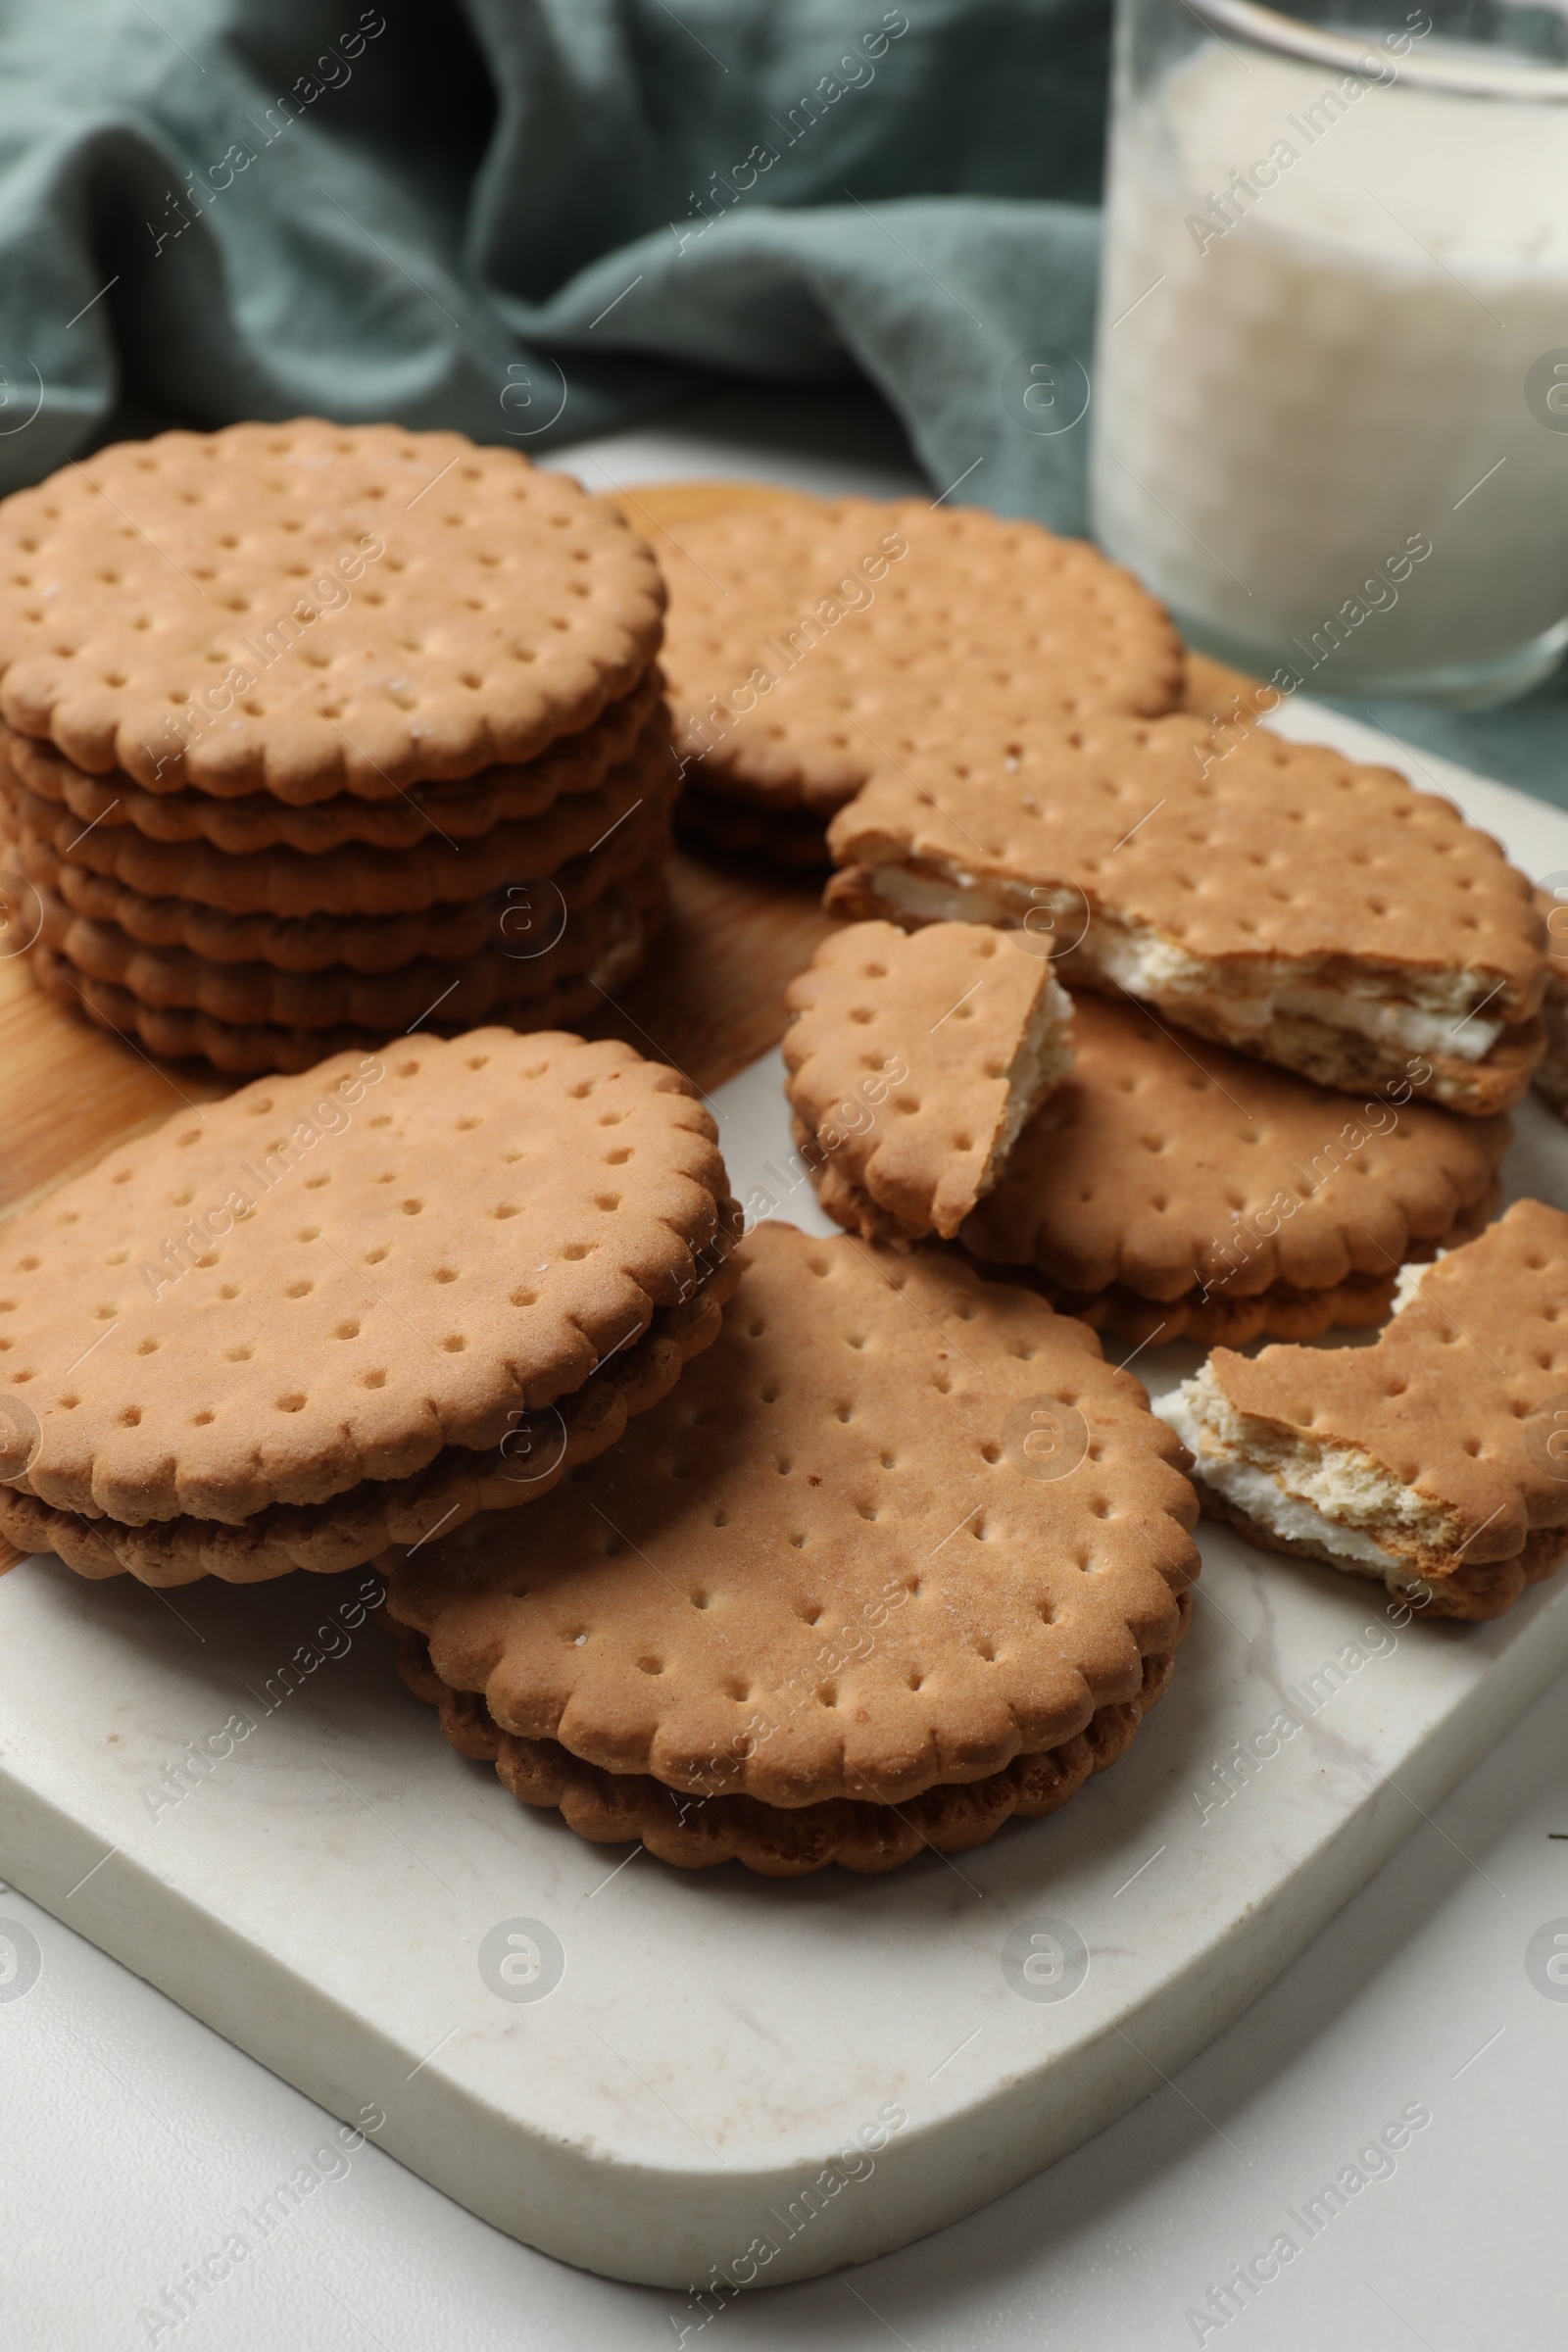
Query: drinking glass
[1331, 398]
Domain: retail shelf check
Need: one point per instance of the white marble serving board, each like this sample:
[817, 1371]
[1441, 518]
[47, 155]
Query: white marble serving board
[713, 2079]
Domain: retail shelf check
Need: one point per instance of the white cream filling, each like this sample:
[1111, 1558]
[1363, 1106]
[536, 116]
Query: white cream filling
[1411, 1279]
[1335, 1496]
[1262, 1497]
[1149, 965]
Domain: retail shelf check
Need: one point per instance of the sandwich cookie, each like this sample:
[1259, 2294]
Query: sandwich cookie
[328, 1312]
[1274, 897]
[261, 821]
[900, 1557]
[305, 670]
[1170, 1190]
[312, 609]
[808, 640]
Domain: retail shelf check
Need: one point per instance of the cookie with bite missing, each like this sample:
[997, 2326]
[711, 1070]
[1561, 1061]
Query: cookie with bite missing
[915, 1060]
[900, 1556]
[1274, 897]
[1435, 1461]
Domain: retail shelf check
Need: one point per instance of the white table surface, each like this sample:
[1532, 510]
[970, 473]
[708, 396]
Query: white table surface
[130, 2135]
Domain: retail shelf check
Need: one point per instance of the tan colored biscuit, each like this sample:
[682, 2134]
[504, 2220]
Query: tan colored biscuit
[451, 1231]
[524, 918]
[253, 1049]
[1282, 1311]
[312, 609]
[602, 942]
[916, 1059]
[357, 1526]
[695, 1833]
[1168, 1171]
[791, 836]
[521, 915]
[242, 827]
[837, 1562]
[1215, 1318]
[357, 880]
[1434, 1459]
[1166, 1163]
[808, 640]
[1276, 896]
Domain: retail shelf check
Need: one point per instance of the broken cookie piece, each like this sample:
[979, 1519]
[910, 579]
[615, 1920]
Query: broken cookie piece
[1435, 1460]
[915, 1062]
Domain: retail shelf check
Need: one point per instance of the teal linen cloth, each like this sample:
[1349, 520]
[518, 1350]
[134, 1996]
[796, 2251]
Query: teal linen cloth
[537, 220]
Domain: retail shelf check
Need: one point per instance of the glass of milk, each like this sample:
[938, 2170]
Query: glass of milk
[1331, 399]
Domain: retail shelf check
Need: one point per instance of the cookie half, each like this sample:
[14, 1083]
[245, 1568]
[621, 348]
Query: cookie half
[1276, 896]
[898, 1533]
[915, 1060]
[1435, 1461]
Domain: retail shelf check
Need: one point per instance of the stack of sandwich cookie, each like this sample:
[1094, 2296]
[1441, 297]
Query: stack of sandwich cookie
[332, 676]
[1160, 1188]
[333, 1312]
[899, 1558]
[810, 641]
[1274, 897]
[1436, 1460]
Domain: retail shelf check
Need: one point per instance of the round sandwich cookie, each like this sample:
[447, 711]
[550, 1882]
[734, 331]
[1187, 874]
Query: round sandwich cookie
[809, 640]
[631, 805]
[312, 609]
[527, 919]
[1435, 1461]
[601, 942]
[246, 1049]
[902, 1558]
[1170, 1190]
[329, 1313]
[259, 821]
[1274, 897]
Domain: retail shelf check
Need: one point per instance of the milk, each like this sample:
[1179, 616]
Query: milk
[1323, 296]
